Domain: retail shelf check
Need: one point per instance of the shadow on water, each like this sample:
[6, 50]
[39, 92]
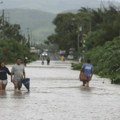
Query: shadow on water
[63, 87]
[84, 88]
[20, 94]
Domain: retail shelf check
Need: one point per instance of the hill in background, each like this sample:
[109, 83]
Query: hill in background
[36, 22]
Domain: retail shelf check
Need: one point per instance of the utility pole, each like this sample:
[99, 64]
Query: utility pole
[78, 40]
[28, 33]
[3, 14]
[79, 32]
[3, 17]
[3, 24]
[102, 7]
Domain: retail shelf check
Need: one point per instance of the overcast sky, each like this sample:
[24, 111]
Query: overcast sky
[54, 6]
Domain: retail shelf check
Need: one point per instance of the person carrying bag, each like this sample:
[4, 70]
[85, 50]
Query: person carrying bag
[86, 73]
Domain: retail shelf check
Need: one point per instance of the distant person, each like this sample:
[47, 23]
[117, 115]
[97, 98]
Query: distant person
[3, 76]
[18, 73]
[62, 58]
[48, 60]
[42, 60]
[86, 73]
[25, 61]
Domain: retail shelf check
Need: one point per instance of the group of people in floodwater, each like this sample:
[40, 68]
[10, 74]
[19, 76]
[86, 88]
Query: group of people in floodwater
[17, 73]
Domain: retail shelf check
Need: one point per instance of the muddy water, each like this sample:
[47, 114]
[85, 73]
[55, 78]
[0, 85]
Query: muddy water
[56, 94]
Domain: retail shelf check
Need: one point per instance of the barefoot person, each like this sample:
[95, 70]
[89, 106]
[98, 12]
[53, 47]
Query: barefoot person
[87, 70]
[18, 73]
[3, 75]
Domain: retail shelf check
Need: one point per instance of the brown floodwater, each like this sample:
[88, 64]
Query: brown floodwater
[56, 94]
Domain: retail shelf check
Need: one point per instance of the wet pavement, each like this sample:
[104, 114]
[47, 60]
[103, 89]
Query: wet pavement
[57, 94]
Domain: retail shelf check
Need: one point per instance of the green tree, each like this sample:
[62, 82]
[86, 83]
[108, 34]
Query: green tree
[12, 43]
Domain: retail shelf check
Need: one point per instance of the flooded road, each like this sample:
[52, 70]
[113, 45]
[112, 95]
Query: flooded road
[56, 94]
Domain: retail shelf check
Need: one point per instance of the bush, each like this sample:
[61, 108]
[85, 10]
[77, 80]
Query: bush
[11, 49]
[76, 66]
[116, 79]
[106, 60]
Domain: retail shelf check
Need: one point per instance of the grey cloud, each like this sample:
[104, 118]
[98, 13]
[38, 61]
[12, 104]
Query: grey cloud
[51, 5]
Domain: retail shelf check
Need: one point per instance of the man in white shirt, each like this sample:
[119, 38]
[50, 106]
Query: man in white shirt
[18, 73]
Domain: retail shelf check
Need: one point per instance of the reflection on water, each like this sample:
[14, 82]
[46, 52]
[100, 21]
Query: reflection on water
[57, 94]
[84, 88]
[2, 94]
[19, 94]
[14, 94]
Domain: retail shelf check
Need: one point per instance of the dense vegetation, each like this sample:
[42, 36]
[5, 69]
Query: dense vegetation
[12, 43]
[99, 38]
